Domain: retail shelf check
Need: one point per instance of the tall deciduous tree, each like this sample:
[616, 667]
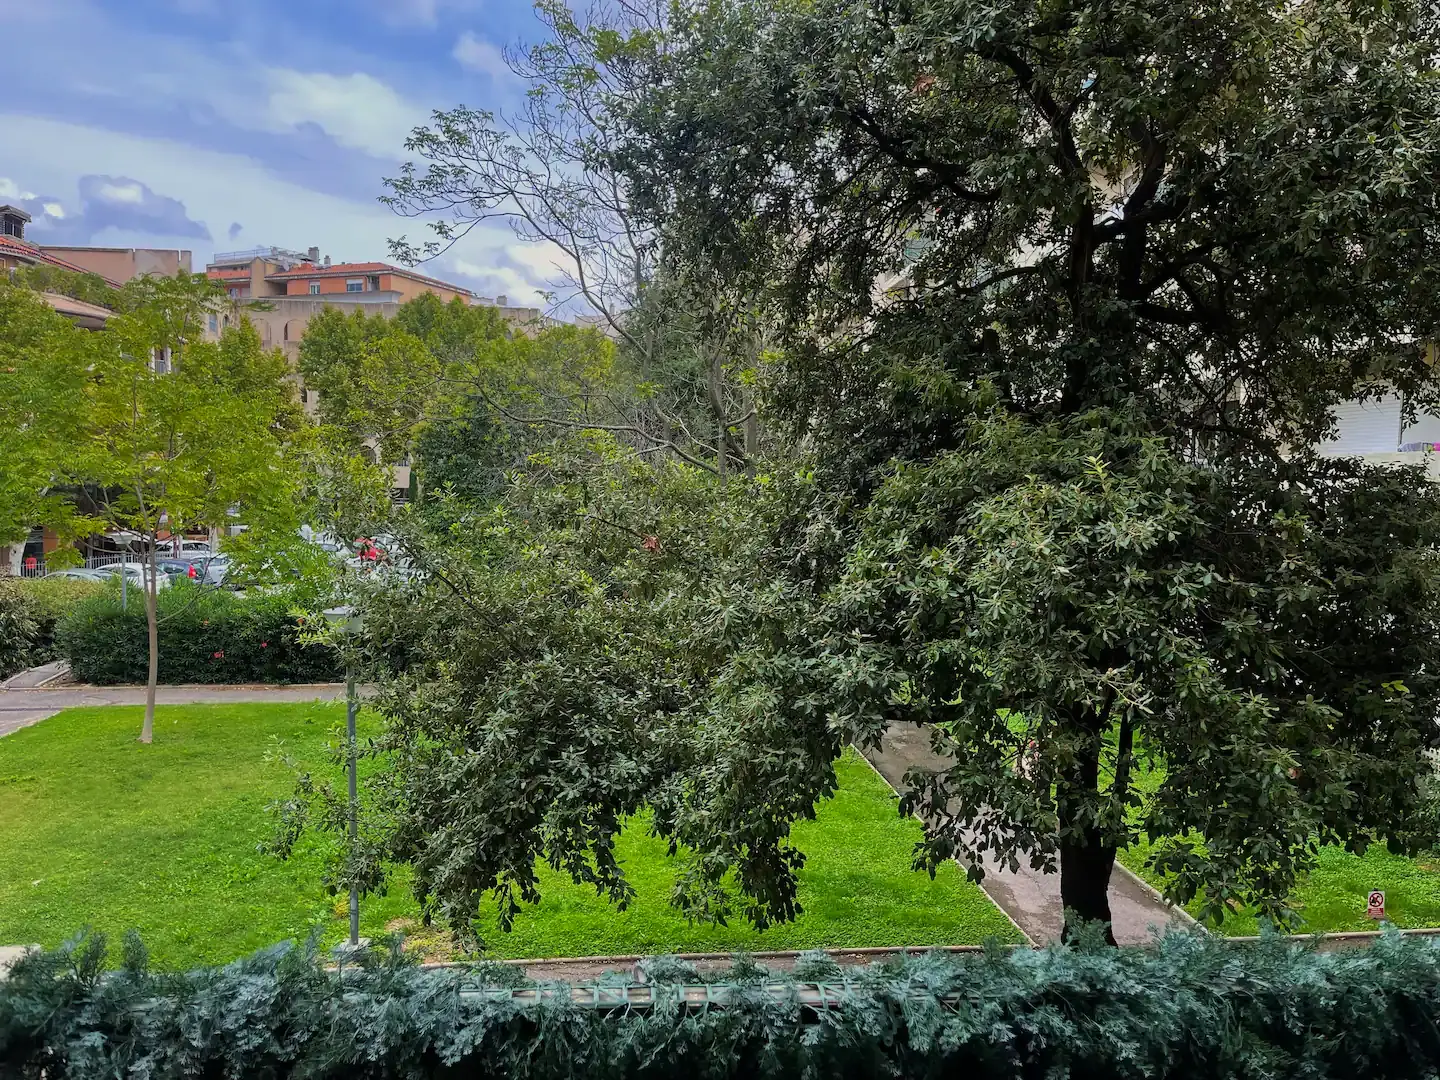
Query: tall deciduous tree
[183, 433]
[1071, 288]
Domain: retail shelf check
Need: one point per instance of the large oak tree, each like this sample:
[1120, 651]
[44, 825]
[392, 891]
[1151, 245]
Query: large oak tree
[1072, 287]
[1068, 291]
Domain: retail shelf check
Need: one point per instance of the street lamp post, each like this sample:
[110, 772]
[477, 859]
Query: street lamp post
[348, 622]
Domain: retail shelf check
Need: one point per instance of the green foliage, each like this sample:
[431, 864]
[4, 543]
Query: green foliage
[44, 365]
[50, 600]
[470, 454]
[19, 628]
[1187, 1008]
[30, 608]
[88, 287]
[579, 651]
[1069, 290]
[207, 635]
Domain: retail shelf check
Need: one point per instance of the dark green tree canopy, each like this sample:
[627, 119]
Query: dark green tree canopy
[1070, 290]
[1224, 209]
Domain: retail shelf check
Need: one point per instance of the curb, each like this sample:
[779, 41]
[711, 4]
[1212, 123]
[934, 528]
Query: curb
[249, 688]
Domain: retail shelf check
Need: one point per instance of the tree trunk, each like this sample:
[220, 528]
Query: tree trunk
[1085, 868]
[1085, 859]
[13, 559]
[152, 627]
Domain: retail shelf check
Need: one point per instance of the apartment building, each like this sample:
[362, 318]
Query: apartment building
[280, 291]
[1376, 430]
[123, 264]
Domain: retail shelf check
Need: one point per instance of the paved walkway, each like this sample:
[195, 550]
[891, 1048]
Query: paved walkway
[23, 707]
[1032, 898]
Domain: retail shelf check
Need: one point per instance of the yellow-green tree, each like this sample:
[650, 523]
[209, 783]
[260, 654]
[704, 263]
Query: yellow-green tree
[181, 433]
[44, 362]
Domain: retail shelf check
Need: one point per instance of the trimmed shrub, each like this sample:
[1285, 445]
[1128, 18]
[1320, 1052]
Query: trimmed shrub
[50, 599]
[207, 635]
[1190, 1007]
[19, 628]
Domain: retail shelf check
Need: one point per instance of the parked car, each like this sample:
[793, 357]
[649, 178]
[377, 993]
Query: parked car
[178, 568]
[79, 573]
[210, 567]
[135, 573]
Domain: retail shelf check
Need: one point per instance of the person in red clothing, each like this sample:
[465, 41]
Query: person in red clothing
[368, 552]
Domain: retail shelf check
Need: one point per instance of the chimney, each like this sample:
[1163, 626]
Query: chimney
[327, 260]
[312, 254]
[501, 300]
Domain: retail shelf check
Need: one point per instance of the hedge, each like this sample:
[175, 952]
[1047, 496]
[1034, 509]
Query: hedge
[30, 609]
[1190, 1007]
[207, 635]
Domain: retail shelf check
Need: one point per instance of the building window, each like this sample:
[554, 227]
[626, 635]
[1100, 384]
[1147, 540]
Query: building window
[160, 361]
[214, 324]
[234, 294]
[355, 285]
[314, 288]
[375, 283]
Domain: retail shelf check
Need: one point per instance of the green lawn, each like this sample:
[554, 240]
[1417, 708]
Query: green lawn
[857, 889]
[96, 829]
[1332, 898]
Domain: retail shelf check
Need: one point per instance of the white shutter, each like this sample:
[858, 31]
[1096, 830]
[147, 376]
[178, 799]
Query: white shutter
[1366, 427]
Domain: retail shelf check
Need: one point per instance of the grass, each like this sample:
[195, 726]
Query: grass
[100, 831]
[857, 889]
[1332, 897]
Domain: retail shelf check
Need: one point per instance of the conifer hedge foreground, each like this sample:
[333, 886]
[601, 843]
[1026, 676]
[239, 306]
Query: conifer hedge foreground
[1189, 1007]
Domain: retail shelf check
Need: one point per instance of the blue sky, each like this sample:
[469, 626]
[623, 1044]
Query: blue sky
[216, 125]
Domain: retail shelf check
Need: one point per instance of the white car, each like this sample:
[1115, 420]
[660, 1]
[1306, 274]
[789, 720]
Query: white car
[135, 574]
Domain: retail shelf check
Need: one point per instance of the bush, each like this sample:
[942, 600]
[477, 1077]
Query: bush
[1190, 1007]
[207, 635]
[50, 599]
[19, 628]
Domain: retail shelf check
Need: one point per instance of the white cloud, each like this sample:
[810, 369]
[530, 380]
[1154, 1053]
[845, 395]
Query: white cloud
[546, 261]
[54, 209]
[477, 54]
[11, 190]
[357, 110]
[123, 193]
[220, 188]
[497, 280]
[216, 188]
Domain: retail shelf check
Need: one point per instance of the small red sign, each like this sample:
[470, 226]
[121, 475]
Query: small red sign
[1375, 905]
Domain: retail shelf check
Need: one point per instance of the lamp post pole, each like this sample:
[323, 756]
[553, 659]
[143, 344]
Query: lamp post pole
[347, 622]
[352, 706]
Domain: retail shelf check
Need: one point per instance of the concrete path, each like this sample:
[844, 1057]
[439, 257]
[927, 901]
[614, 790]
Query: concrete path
[36, 677]
[23, 707]
[1032, 898]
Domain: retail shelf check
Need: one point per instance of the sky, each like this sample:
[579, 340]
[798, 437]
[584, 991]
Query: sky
[219, 125]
